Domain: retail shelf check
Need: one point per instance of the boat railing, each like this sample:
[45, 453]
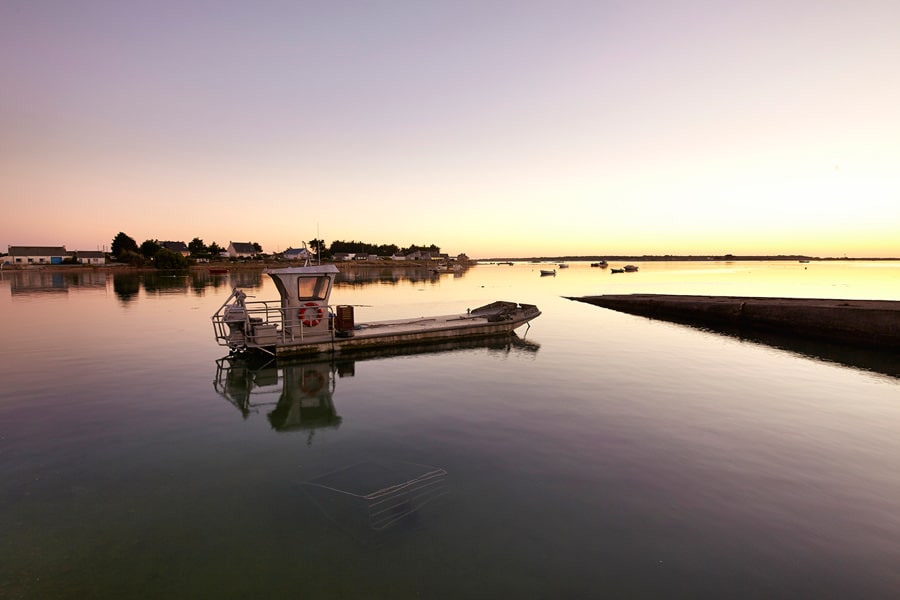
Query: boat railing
[256, 323]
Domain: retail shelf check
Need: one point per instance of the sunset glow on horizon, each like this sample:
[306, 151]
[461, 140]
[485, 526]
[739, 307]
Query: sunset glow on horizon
[496, 129]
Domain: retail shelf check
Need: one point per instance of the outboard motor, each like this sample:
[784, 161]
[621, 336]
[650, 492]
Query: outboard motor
[235, 316]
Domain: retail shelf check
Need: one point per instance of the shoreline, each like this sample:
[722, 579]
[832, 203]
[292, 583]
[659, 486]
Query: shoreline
[205, 267]
[381, 264]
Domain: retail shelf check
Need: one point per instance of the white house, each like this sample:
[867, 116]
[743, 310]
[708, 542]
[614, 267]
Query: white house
[241, 250]
[37, 255]
[297, 254]
[90, 257]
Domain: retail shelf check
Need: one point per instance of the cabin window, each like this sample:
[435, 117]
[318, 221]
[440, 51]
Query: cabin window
[312, 288]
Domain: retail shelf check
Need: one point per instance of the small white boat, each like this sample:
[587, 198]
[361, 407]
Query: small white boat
[303, 323]
[548, 272]
[445, 269]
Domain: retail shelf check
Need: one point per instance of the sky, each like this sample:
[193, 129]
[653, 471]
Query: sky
[494, 128]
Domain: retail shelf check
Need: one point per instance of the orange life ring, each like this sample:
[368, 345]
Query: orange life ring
[312, 382]
[308, 319]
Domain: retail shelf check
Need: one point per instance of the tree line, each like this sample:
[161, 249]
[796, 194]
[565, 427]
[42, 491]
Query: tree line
[150, 252]
[354, 247]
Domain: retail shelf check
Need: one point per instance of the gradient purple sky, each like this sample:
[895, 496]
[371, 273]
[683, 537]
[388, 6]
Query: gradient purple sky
[491, 128]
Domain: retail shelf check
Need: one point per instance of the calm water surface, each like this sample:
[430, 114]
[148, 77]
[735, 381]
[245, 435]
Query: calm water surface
[601, 455]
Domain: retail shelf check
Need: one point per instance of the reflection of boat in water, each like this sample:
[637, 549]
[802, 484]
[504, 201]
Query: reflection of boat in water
[366, 499]
[298, 394]
[548, 272]
[362, 498]
[303, 323]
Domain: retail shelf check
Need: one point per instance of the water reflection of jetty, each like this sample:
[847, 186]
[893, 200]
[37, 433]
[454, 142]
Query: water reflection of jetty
[858, 333]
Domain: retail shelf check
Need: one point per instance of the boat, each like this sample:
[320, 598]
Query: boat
[563, 266]
[218, 271]
[617, 270]
[630, 269]
[602, 264]
[445, 268]
[304, 323]
[548, 272]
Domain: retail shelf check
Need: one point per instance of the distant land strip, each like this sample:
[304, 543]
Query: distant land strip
[679, 258]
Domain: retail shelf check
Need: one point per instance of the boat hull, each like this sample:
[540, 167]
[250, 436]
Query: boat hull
[393, 334]
[245, 327]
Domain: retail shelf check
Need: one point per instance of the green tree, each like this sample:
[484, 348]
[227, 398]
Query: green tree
[387, 250]
[149, 248]
[257, 247]
[431, 248]
[166, 259]
[214, 249]
[318, 246]
[197, 247]
[132, 258]
[122, 243]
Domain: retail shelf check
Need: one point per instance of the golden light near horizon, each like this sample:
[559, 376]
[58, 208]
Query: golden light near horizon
[757, 129]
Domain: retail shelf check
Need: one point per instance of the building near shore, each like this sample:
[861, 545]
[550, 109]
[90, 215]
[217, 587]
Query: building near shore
[90, 257]
[241, 250]
[176, 247]
[37, 255]
[297, 254]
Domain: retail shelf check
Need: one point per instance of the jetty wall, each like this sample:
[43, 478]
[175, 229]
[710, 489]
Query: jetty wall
[860, 322]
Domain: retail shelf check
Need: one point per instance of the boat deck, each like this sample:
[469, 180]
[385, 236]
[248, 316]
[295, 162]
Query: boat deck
[422, 330]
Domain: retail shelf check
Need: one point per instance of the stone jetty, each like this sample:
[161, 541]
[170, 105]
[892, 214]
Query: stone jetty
[859, 322]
